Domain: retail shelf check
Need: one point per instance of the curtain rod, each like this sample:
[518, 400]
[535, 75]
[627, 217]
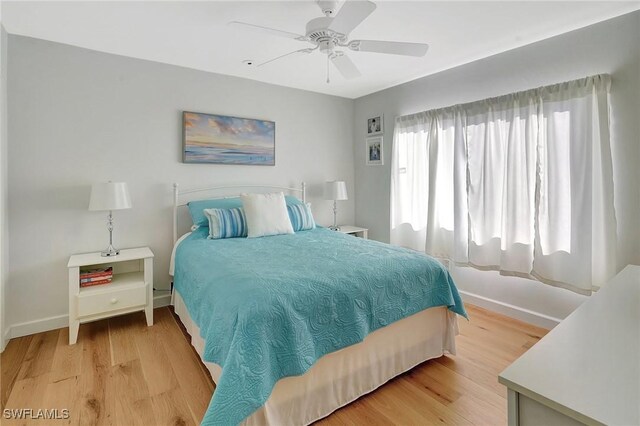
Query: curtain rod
[600, 80]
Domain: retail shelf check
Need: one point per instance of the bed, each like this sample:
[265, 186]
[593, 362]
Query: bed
[292, 327]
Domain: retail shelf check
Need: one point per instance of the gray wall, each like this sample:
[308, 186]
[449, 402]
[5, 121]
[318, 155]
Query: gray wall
[608, 47]
[80, 116]
[4, 224]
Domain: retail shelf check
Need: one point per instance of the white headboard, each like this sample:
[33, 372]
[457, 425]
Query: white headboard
[182, 196]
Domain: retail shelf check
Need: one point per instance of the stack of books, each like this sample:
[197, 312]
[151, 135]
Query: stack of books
[96, 276]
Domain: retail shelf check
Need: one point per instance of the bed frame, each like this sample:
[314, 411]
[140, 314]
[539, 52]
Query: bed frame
[180, 196]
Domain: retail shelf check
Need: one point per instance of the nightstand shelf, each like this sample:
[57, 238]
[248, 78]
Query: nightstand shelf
[131, 288]
[120, 281]
[355, 230]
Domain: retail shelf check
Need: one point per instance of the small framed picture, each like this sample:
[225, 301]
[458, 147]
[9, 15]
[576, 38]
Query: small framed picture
[375, 125]
[374, 151]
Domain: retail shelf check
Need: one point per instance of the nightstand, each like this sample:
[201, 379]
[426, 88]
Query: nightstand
[355, 230]
[130, 290]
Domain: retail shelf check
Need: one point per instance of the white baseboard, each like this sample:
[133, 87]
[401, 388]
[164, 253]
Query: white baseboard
[38, 326]
[5, 339]
[522, 314]
[160, 299]
[163, 298]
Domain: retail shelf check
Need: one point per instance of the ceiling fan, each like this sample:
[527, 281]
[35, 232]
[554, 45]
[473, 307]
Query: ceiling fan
[329, 33]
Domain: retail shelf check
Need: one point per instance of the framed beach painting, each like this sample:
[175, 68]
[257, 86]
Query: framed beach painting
[219, 139]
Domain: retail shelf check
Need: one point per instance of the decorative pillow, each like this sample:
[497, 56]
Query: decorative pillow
[266, 214]
[301, 217]
[226, 223]
[196, 208]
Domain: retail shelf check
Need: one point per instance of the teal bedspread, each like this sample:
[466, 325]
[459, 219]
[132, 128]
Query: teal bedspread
[270, 307]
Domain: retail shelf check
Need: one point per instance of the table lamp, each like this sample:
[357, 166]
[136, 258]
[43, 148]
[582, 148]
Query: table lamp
[109, 196]
[336, 191]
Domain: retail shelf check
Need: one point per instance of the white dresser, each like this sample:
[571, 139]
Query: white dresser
[587, 369]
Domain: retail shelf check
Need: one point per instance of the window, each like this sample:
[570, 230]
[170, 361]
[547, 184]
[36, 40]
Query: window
[521, 183]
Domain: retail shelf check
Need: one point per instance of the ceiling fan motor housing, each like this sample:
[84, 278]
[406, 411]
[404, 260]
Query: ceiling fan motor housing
[318, 32]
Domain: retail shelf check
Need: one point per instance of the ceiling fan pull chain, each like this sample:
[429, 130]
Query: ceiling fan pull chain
[328, 81]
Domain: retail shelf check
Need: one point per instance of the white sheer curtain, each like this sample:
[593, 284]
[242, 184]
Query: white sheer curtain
[521, 183]
[429, 158]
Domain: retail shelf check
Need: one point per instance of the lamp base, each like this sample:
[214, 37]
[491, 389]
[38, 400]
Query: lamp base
[110, 252]
[334, 228]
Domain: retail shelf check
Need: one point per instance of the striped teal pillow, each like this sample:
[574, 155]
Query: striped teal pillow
[226, 223]
[301, 217]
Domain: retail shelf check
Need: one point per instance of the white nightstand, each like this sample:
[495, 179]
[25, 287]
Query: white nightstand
[131, 289]
[355, 230]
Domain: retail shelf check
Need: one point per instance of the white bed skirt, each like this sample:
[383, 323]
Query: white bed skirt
[340, 377]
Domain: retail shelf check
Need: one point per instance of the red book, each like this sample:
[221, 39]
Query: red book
[103, 277]
[89, 284]
[92, 273]
[98, 276]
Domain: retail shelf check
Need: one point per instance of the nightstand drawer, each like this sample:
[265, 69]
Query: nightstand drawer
[93, 304]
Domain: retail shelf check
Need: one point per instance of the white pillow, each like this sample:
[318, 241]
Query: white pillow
[266, 214]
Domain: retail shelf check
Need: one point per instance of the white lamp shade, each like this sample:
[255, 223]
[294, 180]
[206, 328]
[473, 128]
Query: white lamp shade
[336, 190]
[110, 196]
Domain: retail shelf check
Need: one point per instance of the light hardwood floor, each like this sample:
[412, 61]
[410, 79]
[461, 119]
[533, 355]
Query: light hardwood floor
[123, 373]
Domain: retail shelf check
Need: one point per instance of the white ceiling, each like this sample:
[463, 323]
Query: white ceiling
[195, 34]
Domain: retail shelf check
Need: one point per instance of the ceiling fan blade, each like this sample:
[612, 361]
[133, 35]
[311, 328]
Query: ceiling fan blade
[309, 50]
[267, 30]
[392, 47]
[345, 66]
[350, 15]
